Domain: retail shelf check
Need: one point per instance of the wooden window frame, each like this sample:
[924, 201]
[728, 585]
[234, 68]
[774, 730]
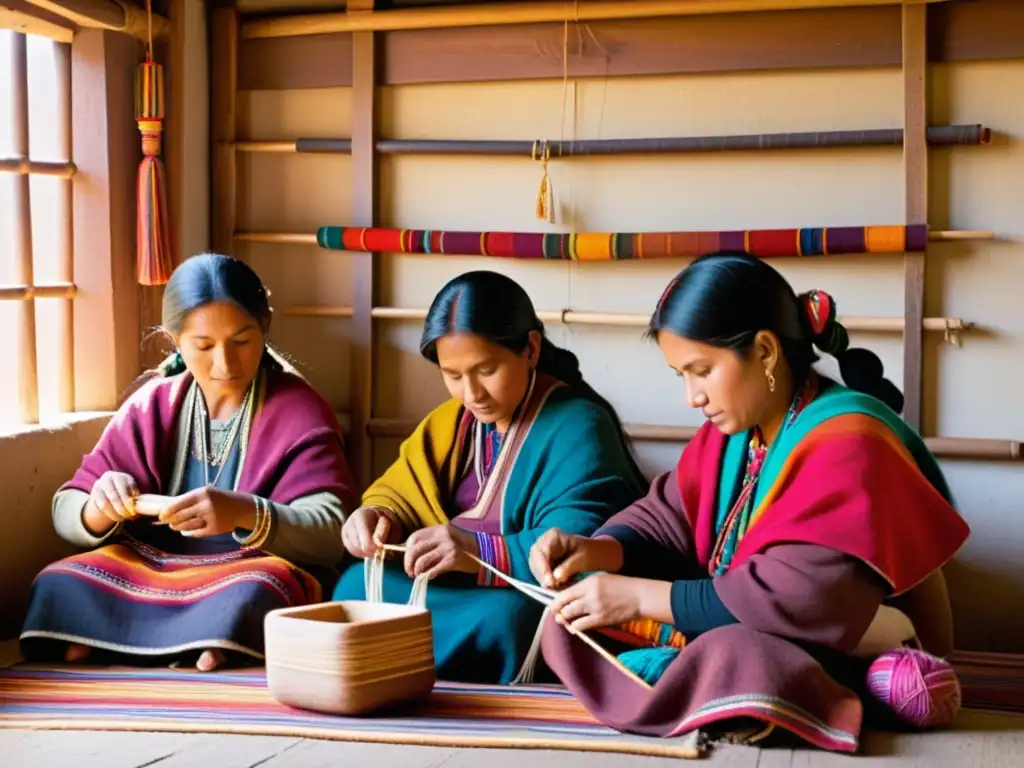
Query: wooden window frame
[99, 330]
[26, 290]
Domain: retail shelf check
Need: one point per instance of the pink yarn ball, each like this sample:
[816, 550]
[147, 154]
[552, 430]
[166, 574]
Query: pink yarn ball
[919, 688]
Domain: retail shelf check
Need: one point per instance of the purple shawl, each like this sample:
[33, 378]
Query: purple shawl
[296, 447]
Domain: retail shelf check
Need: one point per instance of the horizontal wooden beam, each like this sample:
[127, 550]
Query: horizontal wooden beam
[739, 42]
[38, 291]
[108, 14]
[25, 167]
[944, 447]
[938, 135]
[950, 326]
[507, 14]
[21, 16]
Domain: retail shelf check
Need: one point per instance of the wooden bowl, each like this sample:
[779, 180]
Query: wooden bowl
[349, 657]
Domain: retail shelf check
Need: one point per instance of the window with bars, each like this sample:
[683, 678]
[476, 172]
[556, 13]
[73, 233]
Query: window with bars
[36, 229]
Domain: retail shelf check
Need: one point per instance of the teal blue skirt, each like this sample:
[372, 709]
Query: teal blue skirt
[481, 634]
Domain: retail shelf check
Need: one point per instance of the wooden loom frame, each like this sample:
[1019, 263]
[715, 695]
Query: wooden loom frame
[965, 32]
[229, 33]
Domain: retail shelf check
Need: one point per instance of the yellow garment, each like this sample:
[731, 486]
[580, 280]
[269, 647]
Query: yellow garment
[411, 485]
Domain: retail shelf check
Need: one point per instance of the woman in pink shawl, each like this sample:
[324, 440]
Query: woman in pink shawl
[801, 535]
[252, 461]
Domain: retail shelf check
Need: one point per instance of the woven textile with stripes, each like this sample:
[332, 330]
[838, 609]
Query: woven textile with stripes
[609, 246]
[455, 714]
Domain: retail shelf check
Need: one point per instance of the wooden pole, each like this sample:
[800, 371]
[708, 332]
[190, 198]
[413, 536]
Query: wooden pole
[365, 212]
[943, 447]
[28, 371]
[915, 170]
[302, 238]
[223, 124]
[66, 243]
[951, 326]
[493, 14]
[26, 167]
[938, 135]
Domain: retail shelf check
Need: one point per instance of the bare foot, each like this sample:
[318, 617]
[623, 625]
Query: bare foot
[76, 653]
[210, 660]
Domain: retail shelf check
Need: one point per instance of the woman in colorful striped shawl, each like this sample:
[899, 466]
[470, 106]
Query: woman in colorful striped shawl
[523, 446]
[802, 534]
[252, 460]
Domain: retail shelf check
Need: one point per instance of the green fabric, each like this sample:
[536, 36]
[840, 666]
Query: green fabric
[572, 473]
[835, 400]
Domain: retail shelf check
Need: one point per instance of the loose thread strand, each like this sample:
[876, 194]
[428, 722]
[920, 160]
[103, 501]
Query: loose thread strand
[545, 597]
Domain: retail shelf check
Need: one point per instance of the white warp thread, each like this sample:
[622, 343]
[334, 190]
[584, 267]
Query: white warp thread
[373, 582]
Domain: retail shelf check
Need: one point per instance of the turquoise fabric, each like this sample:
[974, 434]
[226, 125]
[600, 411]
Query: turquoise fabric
[572, 473]
[834, 400]
[649, 664]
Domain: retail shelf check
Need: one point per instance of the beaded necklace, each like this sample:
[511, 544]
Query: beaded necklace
[734, 527]
[200, 428]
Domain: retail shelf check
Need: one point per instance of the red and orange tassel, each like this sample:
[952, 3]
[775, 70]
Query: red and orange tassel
[154, 246]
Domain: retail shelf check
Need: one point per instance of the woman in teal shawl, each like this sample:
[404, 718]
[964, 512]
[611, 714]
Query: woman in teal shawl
[523, 446]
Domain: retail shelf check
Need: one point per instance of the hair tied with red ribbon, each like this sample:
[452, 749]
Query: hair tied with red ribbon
[827, 333]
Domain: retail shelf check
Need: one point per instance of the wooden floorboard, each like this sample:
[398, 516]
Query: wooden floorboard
[980, 740]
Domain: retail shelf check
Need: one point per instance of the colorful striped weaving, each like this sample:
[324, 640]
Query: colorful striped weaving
[455, 715]
[604, 246]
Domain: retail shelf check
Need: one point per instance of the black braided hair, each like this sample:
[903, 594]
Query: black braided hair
[496, 307]
[724, 299]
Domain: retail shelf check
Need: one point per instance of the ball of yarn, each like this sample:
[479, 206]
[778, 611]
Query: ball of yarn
[918, 688]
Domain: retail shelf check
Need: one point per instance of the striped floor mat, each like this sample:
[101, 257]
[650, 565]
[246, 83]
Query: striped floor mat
[456, 715]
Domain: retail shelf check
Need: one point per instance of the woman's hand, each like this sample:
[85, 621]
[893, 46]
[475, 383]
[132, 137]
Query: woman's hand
[113, 496]
[556, 557]
[209, 511]
[366, 524]
[607, 600]
[439, 549]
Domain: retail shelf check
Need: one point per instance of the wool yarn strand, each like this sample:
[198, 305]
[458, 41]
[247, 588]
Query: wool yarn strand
[543, 596]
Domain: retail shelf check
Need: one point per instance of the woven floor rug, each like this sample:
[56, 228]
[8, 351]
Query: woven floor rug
[455, 715]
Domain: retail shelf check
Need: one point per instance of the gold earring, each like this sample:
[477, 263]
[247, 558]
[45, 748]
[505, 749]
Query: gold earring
[771, 380]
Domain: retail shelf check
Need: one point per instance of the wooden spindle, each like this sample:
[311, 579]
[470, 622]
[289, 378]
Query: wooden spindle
[28, 368]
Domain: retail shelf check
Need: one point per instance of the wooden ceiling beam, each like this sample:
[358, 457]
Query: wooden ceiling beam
[494, 14]
[106, 14]
[21, 16]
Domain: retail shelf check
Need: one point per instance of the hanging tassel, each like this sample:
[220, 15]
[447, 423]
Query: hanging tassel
[154, 242]
[545, 197]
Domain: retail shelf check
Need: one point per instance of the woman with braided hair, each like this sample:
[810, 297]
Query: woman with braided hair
[800, 537]
[523, 444]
